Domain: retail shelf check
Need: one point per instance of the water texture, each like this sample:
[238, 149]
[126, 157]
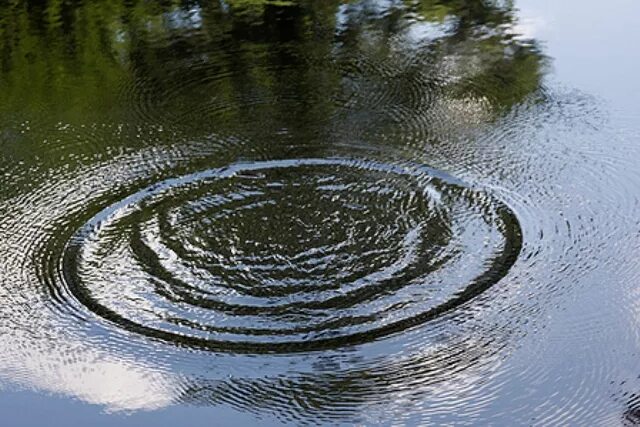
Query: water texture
[311, 212]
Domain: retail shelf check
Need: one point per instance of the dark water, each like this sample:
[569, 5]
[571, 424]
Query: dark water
[375, 212]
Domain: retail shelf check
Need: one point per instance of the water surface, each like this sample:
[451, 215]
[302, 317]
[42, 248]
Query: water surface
[411, 212]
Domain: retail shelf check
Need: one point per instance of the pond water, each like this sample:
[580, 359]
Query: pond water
[334, 212]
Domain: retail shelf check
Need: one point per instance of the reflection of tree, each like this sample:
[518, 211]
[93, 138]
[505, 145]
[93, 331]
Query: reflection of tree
[76, 58]
[336, 394]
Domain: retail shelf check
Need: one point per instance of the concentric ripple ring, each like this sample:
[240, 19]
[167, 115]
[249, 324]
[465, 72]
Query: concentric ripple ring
[291, 255]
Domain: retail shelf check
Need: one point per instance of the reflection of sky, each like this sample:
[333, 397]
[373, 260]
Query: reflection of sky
[364, 7]
[417, 32]
[184, 19]
[422, 32]
[528, 27]
[595, 49]
[92, 376]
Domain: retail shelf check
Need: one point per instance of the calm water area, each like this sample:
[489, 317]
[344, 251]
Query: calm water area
[370, 212]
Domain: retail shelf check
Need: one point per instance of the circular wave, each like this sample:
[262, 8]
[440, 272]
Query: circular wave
[290, 255]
